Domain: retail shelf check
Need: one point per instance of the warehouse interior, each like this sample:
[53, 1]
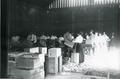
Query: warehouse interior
[61, 39]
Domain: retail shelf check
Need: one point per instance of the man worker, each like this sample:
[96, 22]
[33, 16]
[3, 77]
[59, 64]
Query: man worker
[68, 49]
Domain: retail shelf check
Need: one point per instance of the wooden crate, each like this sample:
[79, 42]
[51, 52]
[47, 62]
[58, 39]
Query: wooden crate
[37, 73]
[30, 62]
[43, 50]
[11, 67]
[52, 65]
[54, 52]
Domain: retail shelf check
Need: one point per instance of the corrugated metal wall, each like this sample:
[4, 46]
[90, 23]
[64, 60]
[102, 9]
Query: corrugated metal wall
[77, 3]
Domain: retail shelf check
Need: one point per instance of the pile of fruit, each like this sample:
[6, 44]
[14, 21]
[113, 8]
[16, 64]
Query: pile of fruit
[73, 67]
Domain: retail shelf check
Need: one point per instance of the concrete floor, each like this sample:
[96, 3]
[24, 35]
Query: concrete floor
[68, 75]
[64, 75]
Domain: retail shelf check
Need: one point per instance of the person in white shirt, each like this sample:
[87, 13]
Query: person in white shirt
[96, 42]
[101, 40]
[91, 38]
[106, 41]
[87, 41]
[78, 47]
[88, 50]
[78, 39]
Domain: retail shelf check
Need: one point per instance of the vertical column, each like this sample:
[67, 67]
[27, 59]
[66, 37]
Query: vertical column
[73, 21]
[108, 75]
[60, 3]
[63, 3]
[78, 2]
[81, 2]
[56, 4]
[67, 3]
[73, 3]
[118, 21]
[4, 35]
[109, 1]
[99, 20]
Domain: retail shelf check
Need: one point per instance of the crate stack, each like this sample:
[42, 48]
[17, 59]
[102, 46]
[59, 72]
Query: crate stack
[54, 61]
[30, 66]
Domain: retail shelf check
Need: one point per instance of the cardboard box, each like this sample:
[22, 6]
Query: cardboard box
[52, 65]
[60, 64]
[54, 52]
[37, 73]
[28, 61]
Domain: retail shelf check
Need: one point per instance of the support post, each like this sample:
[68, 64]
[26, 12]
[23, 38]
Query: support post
[4, 36]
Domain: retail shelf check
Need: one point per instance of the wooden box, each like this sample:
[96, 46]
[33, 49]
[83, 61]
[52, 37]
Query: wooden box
[37, 73]
[54, 52]
[52, 65]
[30, 61]
[43, 50]
[11, 67]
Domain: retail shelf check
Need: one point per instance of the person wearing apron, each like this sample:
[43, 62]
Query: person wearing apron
[78, 47]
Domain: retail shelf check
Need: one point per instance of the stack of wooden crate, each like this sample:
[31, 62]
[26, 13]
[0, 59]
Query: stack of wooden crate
[30, 66]
[54, 61]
